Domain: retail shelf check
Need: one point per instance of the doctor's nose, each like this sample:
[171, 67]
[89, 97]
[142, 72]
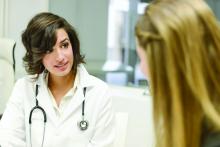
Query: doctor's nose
[59, 55]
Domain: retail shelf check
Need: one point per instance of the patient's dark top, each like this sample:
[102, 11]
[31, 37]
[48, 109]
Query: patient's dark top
[210, 138]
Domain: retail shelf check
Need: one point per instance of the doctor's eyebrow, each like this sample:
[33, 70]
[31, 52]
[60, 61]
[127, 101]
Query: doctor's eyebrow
[64, 40]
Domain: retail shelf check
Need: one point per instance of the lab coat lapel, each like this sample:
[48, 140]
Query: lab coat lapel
[76, 101]
[75, 104]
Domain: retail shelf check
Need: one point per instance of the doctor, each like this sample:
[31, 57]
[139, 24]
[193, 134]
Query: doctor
[59, 103]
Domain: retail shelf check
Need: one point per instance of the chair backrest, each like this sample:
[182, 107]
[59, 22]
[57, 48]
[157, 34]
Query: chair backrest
[7, 74]
[121, 129]
[136, 127]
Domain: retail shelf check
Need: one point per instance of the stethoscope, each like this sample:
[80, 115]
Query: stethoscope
[82, 124]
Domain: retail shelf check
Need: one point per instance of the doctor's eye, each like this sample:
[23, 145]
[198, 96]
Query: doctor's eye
[65, 45]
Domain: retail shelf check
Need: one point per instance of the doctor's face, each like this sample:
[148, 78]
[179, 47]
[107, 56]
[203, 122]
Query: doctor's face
[59, 61]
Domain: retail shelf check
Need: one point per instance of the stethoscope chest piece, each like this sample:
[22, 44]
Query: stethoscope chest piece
[83, 125]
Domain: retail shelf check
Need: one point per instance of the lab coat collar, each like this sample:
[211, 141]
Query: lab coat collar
[85, 79]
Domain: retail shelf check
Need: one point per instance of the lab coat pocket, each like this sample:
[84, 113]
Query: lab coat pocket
[81, 138]
[37, 129]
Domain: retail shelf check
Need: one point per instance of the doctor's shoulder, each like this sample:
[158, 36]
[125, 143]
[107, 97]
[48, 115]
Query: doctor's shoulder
[99, 89]
[24, 84]
[21, 90]
[28, 80]
[99, 84]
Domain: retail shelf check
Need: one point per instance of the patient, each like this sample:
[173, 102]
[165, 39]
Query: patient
[178, 42]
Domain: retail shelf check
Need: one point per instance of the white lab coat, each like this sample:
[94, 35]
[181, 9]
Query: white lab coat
[63, 132]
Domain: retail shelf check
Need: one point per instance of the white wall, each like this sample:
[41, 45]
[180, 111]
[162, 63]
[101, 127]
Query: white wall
[19, 13]
[3, 17]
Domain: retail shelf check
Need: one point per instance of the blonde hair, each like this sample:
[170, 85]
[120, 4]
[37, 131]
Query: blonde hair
[182, 43]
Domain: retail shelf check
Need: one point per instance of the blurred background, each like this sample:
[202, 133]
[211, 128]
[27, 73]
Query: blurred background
[106, 32]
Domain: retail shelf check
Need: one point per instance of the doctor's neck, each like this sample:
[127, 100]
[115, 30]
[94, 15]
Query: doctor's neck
[61, 82]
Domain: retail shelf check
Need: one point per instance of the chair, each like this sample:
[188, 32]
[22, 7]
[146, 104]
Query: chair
[7, 74]
[134, 116]
[121, 129]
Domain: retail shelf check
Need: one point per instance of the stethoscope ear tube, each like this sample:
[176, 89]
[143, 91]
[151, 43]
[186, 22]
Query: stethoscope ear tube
[30, 116]
[37, 107]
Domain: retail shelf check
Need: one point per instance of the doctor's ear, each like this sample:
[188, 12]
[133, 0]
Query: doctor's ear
[45, 70]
